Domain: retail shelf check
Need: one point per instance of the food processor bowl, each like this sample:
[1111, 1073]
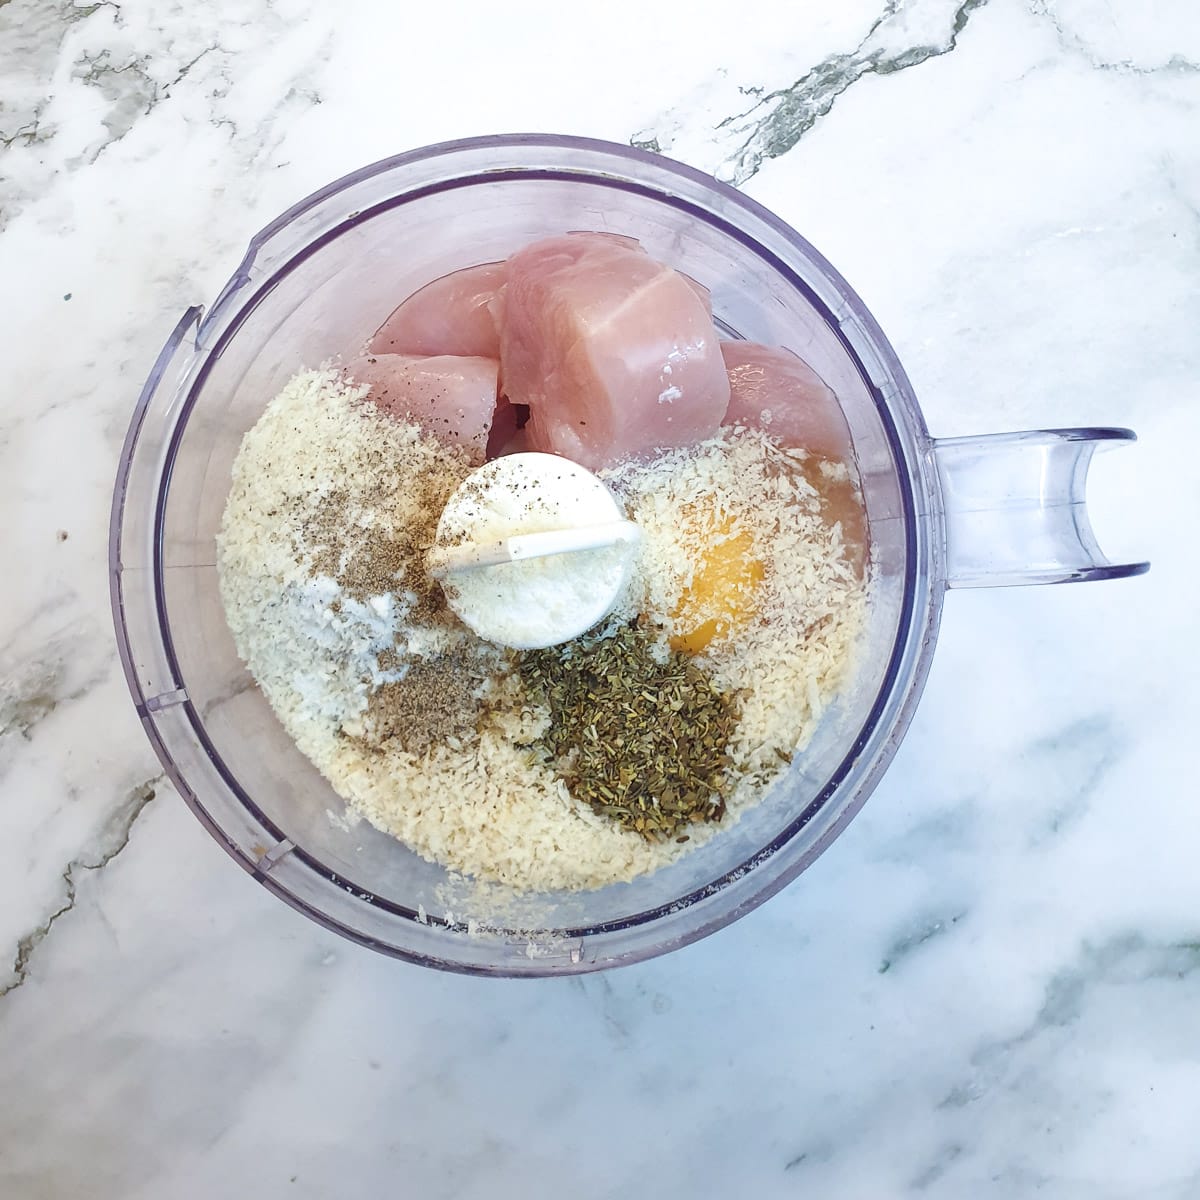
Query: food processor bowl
[315, 284]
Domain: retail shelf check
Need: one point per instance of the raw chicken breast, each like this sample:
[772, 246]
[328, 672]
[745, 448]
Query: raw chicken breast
[615, 353]
[451, 315]
[624, 239]
[774, 390]
[451, 397]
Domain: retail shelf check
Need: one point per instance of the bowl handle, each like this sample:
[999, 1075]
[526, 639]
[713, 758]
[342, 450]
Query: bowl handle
[1016, 508]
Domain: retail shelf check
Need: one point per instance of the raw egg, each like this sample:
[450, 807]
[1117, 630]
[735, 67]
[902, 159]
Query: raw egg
[721, 596]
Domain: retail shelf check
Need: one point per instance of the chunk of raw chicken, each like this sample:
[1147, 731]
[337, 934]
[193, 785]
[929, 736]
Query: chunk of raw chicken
[614, 353]
[776, 391]
[451, 315]
[632, 243]
[452, 397]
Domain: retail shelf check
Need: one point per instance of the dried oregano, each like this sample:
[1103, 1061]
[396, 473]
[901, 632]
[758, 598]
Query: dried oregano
[640, 737]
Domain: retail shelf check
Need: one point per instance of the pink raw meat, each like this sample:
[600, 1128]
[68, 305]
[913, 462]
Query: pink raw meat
[451, 315]
[451, 397]
[776, 391]
[615, 353]
[624, 239]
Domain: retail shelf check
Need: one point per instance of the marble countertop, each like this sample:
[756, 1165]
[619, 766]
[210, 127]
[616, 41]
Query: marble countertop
[990, 985]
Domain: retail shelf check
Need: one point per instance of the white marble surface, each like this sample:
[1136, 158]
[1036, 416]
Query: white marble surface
[989, 986]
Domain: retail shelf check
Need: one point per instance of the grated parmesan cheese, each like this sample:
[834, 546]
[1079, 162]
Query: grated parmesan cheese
[484, 806]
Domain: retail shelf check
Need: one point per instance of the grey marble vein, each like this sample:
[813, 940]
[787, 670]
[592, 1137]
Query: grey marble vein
[778, 119]
[905, 945]
[1080, 755]
[34, 688]
[32, 36]
[113, 839]
[791, 112]
[1074, 43]
[1123, 961]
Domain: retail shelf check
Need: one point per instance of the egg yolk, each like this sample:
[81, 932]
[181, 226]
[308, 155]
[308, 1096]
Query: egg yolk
[721, 596]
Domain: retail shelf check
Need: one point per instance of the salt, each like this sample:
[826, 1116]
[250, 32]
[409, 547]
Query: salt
[540, 601]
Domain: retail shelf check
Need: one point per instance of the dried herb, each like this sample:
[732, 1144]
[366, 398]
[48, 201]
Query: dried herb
[640, 737]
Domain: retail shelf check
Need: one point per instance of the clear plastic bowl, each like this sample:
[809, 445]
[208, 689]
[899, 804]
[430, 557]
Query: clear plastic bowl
[316, 283]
